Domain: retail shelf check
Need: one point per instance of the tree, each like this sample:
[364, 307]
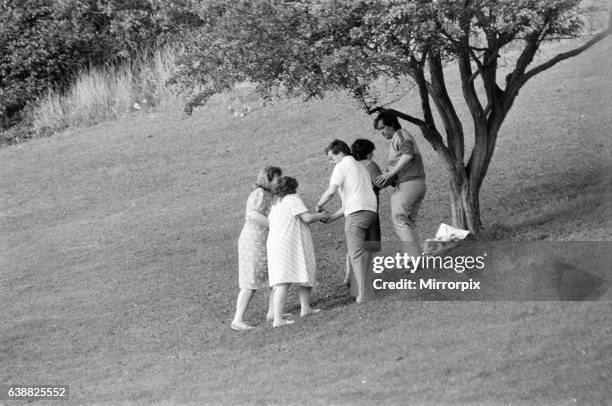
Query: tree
[134, 25]
[310, 48]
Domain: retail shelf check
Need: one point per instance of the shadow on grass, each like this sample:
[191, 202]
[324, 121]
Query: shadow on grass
[336, 296]
[558, 203]
[563, 202]
[507, 270]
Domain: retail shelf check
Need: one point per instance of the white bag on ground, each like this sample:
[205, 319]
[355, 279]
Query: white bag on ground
[447, 237]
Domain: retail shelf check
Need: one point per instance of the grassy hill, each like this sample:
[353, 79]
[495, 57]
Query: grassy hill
[118, 265]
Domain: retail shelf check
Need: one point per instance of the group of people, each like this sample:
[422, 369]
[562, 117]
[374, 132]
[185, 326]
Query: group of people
[275, 248]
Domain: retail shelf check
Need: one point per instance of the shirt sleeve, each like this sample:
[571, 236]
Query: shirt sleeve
[404, 144]
[337, 177]
[297, 205]
[256, 201]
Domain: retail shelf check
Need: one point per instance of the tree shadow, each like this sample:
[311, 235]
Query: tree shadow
[562, 201]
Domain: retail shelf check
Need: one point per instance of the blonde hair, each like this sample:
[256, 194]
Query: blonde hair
[265, 177]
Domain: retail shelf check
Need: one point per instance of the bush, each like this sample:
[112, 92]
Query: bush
[109, 92]
[41, 45]
[45, 43]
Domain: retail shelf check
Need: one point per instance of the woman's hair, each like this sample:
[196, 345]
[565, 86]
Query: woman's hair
[387, 118]
[265, 176]
[286, 186]
[338, 146]
[361, 148]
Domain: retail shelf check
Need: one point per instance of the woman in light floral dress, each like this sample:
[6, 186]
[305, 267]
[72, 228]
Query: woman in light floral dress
[252, 254]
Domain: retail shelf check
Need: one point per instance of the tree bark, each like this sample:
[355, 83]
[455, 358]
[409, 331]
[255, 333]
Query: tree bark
[456, 202]
[464, 198]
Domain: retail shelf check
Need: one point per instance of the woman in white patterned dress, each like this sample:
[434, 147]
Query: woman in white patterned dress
[291, 256]
[252, 256]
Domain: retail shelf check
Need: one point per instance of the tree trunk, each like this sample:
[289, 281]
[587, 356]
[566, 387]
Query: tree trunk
[457, 210]
[465, 204]
[471, 207]
[465, 182]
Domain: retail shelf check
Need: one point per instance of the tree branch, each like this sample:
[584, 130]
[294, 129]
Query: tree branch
[425, 90]
[446, 109]
[472, 78]
[358, 94]
[399, 114]
[476, 59]
[514, 80]
[519, 76]
[565, 55]
[487, 109]
[479, 49]
[467, 77]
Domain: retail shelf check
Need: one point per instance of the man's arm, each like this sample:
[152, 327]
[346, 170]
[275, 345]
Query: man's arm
[333, 217]
[401, 163]
[326, 196]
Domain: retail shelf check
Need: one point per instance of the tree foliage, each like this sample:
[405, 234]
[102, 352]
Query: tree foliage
[43, 43]
[310, 48]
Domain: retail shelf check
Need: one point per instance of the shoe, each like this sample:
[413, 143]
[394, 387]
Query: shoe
[241, 326]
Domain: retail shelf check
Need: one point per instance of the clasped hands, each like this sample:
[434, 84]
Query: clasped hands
[328, 217]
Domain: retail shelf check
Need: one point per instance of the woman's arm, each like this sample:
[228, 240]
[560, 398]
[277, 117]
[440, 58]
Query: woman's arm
[308, 217]
[259, 218]
[375, 172]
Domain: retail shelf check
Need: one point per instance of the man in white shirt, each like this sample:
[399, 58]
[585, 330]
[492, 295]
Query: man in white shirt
[359, 207]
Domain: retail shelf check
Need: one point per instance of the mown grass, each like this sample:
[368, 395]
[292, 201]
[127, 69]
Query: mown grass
[118, 265]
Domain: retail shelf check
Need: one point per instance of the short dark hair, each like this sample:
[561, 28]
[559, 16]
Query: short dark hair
[337, 146]
[388, 118]
[361, 148]
[286, 186]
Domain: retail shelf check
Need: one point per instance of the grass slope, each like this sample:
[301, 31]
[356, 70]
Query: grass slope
[118, 265]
